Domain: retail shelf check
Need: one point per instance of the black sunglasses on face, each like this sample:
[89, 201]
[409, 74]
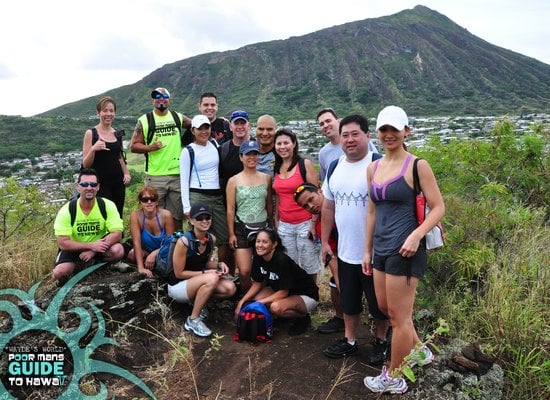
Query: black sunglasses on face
[86, 184]
[148, 199]
[203, 217]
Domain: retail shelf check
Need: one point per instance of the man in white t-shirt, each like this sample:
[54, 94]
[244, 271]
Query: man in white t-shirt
[346, 202]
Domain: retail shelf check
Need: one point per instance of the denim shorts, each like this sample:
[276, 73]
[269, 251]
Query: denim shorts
[299, 247]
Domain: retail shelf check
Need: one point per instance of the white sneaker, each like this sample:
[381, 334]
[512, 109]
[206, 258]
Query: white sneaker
[422, 356]
[197, 327]
[384, 383]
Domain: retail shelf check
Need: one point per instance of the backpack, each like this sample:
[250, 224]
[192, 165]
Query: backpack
[100, 203]
[254, 324]
[334, 163]
[163, 262]
[151, 130]
[118, 135]
[192, 160]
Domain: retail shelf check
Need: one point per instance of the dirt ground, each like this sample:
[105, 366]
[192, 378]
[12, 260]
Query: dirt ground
[287, 368]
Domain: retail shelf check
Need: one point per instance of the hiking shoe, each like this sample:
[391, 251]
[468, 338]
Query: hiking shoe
[333, 325]
[384, 383]
[340, 349]
[422, 356]
[379, 352]
[197, 327]
[299, 326]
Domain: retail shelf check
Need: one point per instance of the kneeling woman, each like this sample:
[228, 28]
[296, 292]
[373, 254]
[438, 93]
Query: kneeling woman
[279, 283]
[197, 276]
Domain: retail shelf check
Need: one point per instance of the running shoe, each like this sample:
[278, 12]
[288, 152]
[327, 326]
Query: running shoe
[422, 356]
[197, 327]
[384, 383]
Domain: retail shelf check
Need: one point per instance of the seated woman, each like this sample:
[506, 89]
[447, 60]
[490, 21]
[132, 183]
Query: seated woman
[279, 283]
[148, 226]
[197, 276]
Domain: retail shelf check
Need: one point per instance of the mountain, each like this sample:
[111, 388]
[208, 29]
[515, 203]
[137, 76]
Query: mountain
[418, 59]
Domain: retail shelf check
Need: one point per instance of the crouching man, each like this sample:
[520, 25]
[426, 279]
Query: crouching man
[88, 229]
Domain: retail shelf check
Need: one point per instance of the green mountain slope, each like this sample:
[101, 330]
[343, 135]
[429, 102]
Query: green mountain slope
[416, 58]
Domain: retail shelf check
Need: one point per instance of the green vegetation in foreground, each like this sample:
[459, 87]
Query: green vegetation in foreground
[490, 282]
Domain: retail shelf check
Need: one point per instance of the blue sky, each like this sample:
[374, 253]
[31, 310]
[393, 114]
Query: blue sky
[58, 51]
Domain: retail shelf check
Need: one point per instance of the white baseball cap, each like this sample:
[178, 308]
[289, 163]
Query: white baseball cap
[199, 120]
[393, 116]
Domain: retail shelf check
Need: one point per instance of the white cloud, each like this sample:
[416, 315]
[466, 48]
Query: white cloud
[93, 46]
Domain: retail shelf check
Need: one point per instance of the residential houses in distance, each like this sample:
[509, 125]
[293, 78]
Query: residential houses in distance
[310, 139]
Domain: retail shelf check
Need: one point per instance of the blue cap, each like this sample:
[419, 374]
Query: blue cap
[239, 114]
[248, 146]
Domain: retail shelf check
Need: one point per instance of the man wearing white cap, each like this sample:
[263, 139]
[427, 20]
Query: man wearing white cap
[157, 135]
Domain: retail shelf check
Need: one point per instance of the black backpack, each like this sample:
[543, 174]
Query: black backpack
[100, 203]
[151, 130]
[163, 262]
[254, 324]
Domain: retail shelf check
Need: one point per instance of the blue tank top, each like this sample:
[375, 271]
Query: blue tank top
[395, 211]
[151, 242]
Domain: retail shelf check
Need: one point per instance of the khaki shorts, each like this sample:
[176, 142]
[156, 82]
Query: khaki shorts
[219, 214]
[169, 190]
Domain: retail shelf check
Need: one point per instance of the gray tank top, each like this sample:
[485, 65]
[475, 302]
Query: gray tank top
[395, 211]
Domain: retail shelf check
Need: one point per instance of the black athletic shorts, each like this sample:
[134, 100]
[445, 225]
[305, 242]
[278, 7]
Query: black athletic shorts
[353, 283]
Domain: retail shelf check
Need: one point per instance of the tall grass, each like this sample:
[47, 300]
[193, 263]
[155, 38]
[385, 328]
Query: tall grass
[27, 260]
[506, 307]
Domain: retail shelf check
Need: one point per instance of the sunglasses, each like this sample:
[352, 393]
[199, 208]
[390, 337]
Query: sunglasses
[86, 184]
[162, 96]
[148, 199]
[203, 217]
[302, 187]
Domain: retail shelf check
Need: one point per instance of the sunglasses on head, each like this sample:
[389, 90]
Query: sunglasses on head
[86, 184]
[203, 217]
[302, 187]
[148, 199]
[162, 96]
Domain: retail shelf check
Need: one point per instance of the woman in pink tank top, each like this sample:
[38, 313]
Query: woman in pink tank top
[294, 224]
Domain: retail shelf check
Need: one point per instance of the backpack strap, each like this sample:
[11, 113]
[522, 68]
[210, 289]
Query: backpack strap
[376, 156]
[224, 151]
[192, 163]
[72, 209]
[302, 166]
[331, 168]
[95, 135]
[150, 127]
[416, 179]
[100, 203]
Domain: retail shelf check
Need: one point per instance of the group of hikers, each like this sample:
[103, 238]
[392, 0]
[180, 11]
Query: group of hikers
[260, 221]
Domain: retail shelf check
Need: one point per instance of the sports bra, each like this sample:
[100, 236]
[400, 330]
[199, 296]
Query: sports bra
[151, 242]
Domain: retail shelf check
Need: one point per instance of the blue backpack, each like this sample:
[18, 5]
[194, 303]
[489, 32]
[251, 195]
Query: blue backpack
[163, 261]
[254, 324]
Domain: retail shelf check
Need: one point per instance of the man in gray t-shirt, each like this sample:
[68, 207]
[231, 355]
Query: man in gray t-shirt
[329, 124]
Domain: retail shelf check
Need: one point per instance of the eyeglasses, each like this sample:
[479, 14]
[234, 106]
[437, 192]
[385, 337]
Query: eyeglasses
[86, 184]
[203, 217]
[162, 96]
[148, 199]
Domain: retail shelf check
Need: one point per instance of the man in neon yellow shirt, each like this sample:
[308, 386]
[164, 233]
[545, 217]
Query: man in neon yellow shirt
[157, 134]
[92, 232]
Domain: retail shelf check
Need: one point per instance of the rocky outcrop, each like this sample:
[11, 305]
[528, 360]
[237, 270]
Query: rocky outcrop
[461, 372]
